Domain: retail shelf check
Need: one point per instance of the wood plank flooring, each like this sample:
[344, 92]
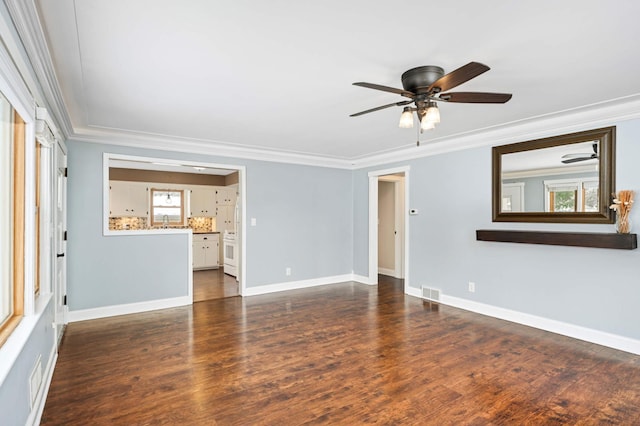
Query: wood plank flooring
[213, 284]
[345, 354]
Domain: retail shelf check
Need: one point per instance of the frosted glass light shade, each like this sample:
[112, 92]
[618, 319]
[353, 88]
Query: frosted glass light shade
[433, 114]
[426, 124]
[406, 119]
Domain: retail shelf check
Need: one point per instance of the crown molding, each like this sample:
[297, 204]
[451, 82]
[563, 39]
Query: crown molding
[25, 19]
[196, 146]
[13, 87]
[573, 120]
[587, 117]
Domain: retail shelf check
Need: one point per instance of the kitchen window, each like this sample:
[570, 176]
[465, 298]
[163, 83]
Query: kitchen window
[12, 196]
[167, 207]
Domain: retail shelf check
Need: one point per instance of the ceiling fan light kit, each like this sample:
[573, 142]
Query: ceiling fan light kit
[424, 86]
[406, 118]
[433, 113]
[425, 124]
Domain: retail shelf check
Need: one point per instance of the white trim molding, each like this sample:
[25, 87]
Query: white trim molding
[388, 272]
[598, 337]
[373, 177]
[295, 285]
[363, 280]
[129, 308]
[586, 117]
[25, 17]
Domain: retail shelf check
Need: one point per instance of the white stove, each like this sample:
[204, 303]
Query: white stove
[230, 253]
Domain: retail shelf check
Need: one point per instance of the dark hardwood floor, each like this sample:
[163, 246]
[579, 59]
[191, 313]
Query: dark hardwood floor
[213, 284]
[344, 354]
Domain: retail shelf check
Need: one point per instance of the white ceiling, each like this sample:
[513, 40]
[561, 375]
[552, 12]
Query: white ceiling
[277, 75]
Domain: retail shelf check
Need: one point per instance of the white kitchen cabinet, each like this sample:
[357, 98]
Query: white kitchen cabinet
[202, 202]
[206, 248]
[224, 218]
[225, 196]
[128, 199]
[225, 208]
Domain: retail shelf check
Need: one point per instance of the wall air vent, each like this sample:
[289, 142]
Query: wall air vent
[432, 294]
[35, 380]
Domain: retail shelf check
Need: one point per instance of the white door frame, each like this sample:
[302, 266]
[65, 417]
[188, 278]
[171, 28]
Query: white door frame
[373, 223]
[59, 206]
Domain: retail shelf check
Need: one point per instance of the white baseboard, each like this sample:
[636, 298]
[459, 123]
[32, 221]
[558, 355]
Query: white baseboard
[363, 279]
[294, 285]
[577, 332]
[387, 272]
[130, 308]
[412, 291]
[38, 407]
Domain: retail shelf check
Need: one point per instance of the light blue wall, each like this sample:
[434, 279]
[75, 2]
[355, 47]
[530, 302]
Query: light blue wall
[115, 270]
[594, 288]
[304, 221]
[14, 391]
[303, 215]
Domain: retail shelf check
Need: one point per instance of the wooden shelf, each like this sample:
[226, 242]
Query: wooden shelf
[575, 239]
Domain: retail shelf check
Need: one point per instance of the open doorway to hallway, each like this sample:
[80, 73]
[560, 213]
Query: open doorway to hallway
[388, 224]
[391, 225]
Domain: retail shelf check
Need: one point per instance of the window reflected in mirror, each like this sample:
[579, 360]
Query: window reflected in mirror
[566, 178]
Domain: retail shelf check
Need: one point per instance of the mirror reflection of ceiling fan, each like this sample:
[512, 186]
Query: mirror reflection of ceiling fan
[424, 86]
[574, 158]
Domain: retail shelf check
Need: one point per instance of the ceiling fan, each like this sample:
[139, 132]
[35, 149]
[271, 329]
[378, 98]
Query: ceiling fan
[574, 158]
[424, 86]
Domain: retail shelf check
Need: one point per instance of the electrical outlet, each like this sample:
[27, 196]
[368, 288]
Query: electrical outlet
[287, 271]
[472, 287]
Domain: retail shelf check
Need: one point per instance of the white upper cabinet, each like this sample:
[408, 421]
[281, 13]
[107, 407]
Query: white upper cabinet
[128, 199]
[225, 196]
[225, 208]
[203, 202]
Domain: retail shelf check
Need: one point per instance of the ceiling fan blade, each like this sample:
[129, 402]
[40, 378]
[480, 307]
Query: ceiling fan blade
[581, 155]
[386, 89]
[401, 103]
[575, 160]
[476, 97]
[459, 76]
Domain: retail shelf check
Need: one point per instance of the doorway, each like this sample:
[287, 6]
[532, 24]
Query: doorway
[391, 225]
[229, 186]
[388, 224]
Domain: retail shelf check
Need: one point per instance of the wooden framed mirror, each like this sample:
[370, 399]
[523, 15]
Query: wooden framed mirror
[567, 179]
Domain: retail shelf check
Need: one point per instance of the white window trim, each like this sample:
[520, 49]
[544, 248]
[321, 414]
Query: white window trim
[578, 183]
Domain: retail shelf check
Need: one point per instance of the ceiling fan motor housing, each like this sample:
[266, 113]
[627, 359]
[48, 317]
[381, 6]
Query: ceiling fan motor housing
[418, 80]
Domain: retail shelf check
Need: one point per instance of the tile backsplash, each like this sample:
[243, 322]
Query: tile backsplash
[198, 224]
[202, 224]
[127, 223]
